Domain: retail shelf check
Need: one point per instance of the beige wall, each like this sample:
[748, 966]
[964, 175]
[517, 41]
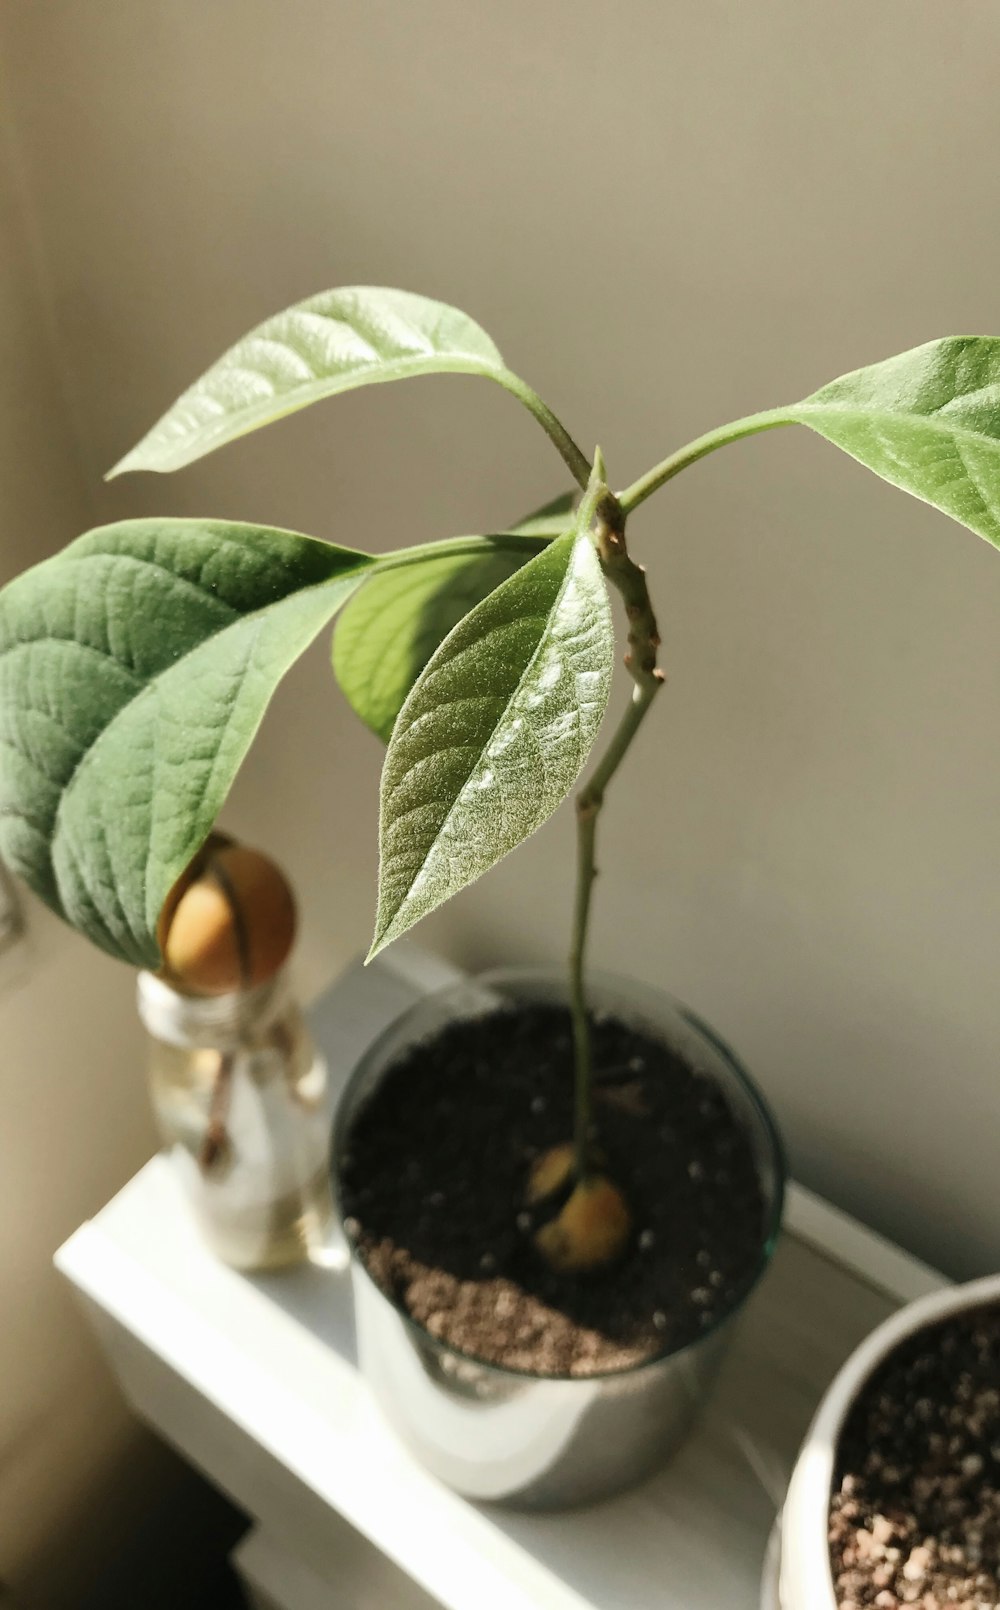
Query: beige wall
[74, 1122]
[667, 214]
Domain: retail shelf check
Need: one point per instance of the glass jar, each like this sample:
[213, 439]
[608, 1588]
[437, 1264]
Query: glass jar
[241, 1097]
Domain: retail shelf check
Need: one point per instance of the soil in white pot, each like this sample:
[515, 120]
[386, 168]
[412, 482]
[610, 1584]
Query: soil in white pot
[434, 1177]
[915, 1513]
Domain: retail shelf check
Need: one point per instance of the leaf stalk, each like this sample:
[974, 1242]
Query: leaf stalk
[576, 459]
[653, 479]
[475, 547]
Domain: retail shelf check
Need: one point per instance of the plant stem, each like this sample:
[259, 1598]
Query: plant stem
[574, 456]
[586, 872]
[608, 532]
[647, 484]
[475, 547]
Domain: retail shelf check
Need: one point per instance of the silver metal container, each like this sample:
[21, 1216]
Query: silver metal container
[523, 1440]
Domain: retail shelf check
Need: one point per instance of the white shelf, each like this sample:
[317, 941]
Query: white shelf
[253, 1379]
[365, 1579]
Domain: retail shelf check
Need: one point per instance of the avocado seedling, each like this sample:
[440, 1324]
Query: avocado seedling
[483, 662]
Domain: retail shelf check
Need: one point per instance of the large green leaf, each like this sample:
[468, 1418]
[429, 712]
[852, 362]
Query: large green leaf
[393, 625]
[135, 668]
[390, 629]
[551, 520]
[356, 336]
[928, 421]
[494, 733]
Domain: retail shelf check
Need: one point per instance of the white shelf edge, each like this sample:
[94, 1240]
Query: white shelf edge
[408, 1530]
[277, 1578]
[862, 1250]
[364, 1576]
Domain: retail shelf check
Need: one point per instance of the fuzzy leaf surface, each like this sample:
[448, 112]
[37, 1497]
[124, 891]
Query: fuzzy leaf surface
[928, 421]
[359, 335]
[135, 669]
[495, 731]
[393, 625]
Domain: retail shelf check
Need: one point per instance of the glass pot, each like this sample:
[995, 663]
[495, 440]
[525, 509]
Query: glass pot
[533, 1441]
[241, 1098]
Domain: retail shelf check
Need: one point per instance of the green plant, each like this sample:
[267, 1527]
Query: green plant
[137, 664]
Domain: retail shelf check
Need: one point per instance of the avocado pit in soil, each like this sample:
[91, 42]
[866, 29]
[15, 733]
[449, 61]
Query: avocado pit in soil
[915, 1510]
[436, 1165]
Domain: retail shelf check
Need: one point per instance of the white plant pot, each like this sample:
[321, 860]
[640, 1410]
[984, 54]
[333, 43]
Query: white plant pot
[799, 1577]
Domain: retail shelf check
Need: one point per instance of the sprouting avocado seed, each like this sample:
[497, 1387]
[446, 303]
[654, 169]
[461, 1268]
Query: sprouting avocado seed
[549, 1173]
[215, 841]
[233, 925]
[591, 1230]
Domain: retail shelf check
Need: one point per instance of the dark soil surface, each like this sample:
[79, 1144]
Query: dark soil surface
[435, 1174]
[915, 1513]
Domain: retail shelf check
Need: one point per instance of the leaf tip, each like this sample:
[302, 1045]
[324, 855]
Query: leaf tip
[381, 937]
[390, 925]
[143, 456]
[123, 466]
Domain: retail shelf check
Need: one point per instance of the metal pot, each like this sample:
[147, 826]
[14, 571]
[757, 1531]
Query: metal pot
[532, 1441]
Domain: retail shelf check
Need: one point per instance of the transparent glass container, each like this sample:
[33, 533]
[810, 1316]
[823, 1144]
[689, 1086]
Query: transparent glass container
[533, 1441]
[241, 1097]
